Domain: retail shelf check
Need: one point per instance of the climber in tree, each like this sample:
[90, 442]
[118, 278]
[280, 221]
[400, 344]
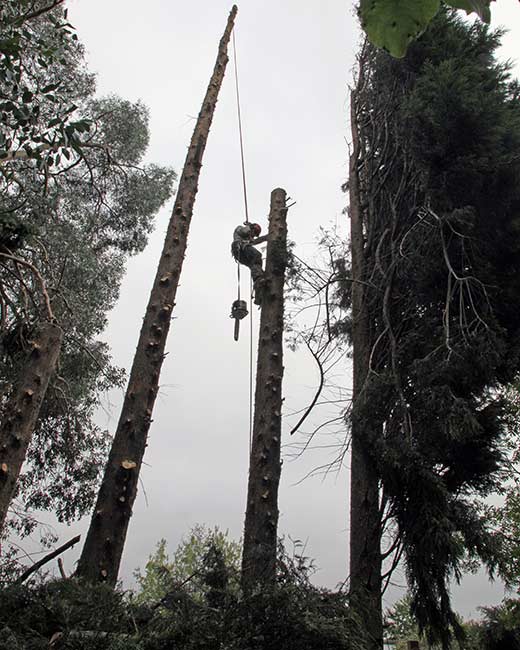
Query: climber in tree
[245, 238]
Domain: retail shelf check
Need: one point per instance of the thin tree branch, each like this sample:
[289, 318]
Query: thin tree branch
[47, 558]
[318, 390]
[38, 275]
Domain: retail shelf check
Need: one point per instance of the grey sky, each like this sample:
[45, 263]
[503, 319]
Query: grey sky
[295, 59]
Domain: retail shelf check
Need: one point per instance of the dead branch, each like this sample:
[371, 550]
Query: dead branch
[318, 390]
[47, 558]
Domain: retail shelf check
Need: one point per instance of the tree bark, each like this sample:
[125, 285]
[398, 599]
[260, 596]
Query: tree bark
[365, 517]
[261, 522]
[23, 408]
[101, 555]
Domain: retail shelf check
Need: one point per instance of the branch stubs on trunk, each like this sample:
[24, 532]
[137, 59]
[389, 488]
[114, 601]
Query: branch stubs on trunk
[261, 523]
[101, 555]
[23, 408]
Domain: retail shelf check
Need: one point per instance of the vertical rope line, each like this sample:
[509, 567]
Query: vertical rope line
[251, 366]
[238, 279]
[240, 129]
[246, 208]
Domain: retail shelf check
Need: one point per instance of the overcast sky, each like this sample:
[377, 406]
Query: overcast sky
[295, 60]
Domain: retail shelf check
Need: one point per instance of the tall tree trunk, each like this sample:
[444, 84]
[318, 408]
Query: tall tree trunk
[365, 518]
[261, 523]
[23, 408]
[101, 555]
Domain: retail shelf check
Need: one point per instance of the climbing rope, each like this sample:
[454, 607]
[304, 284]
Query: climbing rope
[246, 210]
[251, 366]
[244, 184]
[238, 280]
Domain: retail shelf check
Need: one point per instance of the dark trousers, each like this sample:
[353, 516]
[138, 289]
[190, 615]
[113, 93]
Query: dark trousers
[248, 256]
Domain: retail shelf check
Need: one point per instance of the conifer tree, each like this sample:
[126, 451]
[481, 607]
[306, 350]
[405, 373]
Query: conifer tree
[434, 206]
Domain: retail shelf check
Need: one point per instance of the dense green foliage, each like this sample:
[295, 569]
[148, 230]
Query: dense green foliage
[75, 201]
[30, 616]
[439, 168]
[505, 516]
[394, 24]
[292, 616]
[400, 625]
[162, 574]
[37, 47]
[498, 629]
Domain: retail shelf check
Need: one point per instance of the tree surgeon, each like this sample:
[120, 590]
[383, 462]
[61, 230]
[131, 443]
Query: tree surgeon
[245, 238]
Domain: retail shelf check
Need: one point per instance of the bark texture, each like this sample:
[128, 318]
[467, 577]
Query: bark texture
[365, 518]
[261, 522]
[23, 408]
[101, 555]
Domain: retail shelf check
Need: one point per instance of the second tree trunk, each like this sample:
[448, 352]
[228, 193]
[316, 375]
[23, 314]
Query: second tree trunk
[22, 409]
[261, 523]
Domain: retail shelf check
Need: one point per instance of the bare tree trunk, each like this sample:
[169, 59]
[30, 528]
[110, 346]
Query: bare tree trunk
[365, 518]
[23, 408]
[261, 523]
[101, 555]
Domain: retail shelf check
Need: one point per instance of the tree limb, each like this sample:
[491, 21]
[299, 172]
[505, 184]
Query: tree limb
[29, 16]
[47, 558]
[318, 391]
[38, 275]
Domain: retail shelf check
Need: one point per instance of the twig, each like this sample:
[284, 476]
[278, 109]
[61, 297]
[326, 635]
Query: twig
[62, 570]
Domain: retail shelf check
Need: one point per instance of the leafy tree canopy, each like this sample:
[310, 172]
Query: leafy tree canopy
[75, 201]
[505, 517]
[500, 627]
[186, 567]
[401, 626]
[37, 47]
